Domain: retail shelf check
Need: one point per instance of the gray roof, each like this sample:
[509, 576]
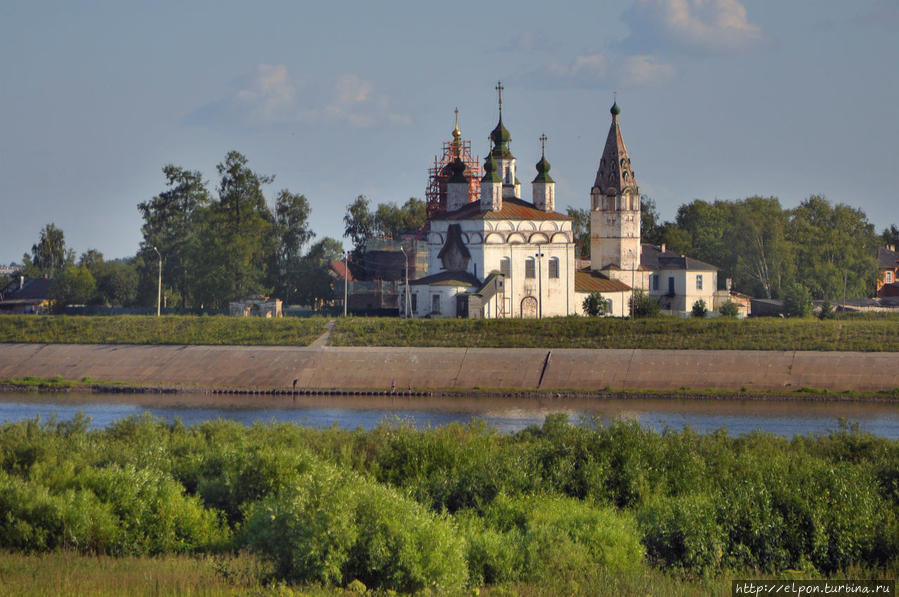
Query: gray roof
[449, 278]
[888, 259]
[653, 258]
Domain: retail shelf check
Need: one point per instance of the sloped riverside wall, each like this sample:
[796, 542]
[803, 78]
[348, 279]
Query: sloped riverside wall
[462, 368]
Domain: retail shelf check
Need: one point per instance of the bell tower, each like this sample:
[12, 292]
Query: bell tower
[615, 209]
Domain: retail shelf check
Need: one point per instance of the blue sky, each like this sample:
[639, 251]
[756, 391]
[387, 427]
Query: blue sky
[720, 99]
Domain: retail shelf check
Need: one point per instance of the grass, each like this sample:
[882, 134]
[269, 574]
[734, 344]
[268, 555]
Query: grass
[169, 329]
[864, 335]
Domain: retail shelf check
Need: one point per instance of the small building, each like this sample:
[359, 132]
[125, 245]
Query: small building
[888, 259]
[255, 306]
[677, 282]
[23, 296]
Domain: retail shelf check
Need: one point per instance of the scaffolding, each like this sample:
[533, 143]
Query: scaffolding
[440, 172]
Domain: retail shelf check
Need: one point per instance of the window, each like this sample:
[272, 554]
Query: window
[671, 285]
[505, 266]
[554, 267]
[415, 303]
[608, 306]
[889, 278]
[698, 281]
[435, 303]
[529, 270]
[655, 281]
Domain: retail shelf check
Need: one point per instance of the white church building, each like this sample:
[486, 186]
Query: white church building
[493, 254]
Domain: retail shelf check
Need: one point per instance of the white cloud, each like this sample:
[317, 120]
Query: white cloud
[595, 69]
[706, 25]
[270, 96]
[644, 70]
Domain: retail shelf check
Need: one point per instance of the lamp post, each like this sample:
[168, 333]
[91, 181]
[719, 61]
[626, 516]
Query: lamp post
[159, 286]
[346, 278]
[538, 255]
[633, 271]
[408, 309]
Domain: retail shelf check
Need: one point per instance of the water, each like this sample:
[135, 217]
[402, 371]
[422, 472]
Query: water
[508, 415]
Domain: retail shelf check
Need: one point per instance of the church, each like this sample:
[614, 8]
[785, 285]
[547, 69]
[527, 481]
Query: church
[493, 254]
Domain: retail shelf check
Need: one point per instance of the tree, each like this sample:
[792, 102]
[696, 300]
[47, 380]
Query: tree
[643, 305]
[835, 248]
[173, 222]
[650, 225]
[73, 286]
[700, 309]
[797, 301]
[117, 283]
[49, 256]
[391, 221]
[238, 237]
[763, 256]
[292, 230]
[91, 259]
[317, 287]
[580, 229]
[359, 223]
[594, 305]
[890, 236]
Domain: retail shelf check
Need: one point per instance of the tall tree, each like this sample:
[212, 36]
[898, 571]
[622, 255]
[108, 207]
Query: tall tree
[359, 223]
[49, 256]
[650, 225]
[580, 230]
[239, 237]
[835, 248]
[172, 221]
[764, 258]
[292, 230]
[317, 285]
[890, 236]
[72, 286]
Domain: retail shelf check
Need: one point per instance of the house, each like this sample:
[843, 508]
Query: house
[26, 296]
[495, 254]
[255, 306]
[888, 283]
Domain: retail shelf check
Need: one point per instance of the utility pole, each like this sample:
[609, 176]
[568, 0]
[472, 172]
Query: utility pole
[539, 283]
[346, 278]
[408, 308]
[159, 287]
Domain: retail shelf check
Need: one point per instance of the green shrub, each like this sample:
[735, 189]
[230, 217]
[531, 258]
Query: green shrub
[797, 301]
[643, 305]
[334, 527]
[594, 305]
[682, 533]
[699, 309]
[729, 309]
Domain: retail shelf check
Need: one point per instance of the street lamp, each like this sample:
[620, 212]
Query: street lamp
[633, 268]
[408, 308]
[346, 278]
[159, 288]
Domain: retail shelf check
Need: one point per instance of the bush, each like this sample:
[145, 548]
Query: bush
[594, 305]
[826, 311]
[334, 528]
[682, 533]
[643, 305]
[699, 309]
[729, 309]
[797, 301]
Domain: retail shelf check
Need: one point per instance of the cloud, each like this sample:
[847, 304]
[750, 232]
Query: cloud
[691, 25]
[270, 96]
[527, 41]
[599, 69]
[644, 70]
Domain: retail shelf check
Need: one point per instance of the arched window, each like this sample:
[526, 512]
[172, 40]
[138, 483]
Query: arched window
[530, 271]
[554, 267]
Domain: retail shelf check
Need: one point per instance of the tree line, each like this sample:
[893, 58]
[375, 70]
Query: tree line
[828, 250]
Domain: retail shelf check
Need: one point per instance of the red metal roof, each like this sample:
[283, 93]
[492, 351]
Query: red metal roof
[513, 209]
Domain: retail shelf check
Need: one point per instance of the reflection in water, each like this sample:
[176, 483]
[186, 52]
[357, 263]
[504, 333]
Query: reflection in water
[508, 415]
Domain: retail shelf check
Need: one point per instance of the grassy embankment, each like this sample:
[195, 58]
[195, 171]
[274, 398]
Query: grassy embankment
[857, 334]
[169, 329]
[557, 509]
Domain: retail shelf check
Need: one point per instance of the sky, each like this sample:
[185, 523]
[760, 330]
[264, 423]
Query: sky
[720, 99]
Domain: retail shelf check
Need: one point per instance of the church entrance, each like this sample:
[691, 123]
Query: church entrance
[529, 307]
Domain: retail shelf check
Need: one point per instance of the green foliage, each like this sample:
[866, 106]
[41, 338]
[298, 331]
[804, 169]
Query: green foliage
[359, 223]
[168, 329]
[699, 309]
[643, 305]
[729, 309]
[554, 506]
[797, 301]
[391, 221]
[651, 230]
[826, 311]
[594, 305]
[74, 286]
[863, 333]
[333, 527]
[49, 256]
[580, 228]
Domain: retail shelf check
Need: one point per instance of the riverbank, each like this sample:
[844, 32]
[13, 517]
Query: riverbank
[270, 369]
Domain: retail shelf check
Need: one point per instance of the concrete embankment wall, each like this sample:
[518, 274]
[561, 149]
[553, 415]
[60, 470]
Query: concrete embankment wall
[463, 368]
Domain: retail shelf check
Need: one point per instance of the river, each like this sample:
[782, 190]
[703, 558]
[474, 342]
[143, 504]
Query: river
[508, 415]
